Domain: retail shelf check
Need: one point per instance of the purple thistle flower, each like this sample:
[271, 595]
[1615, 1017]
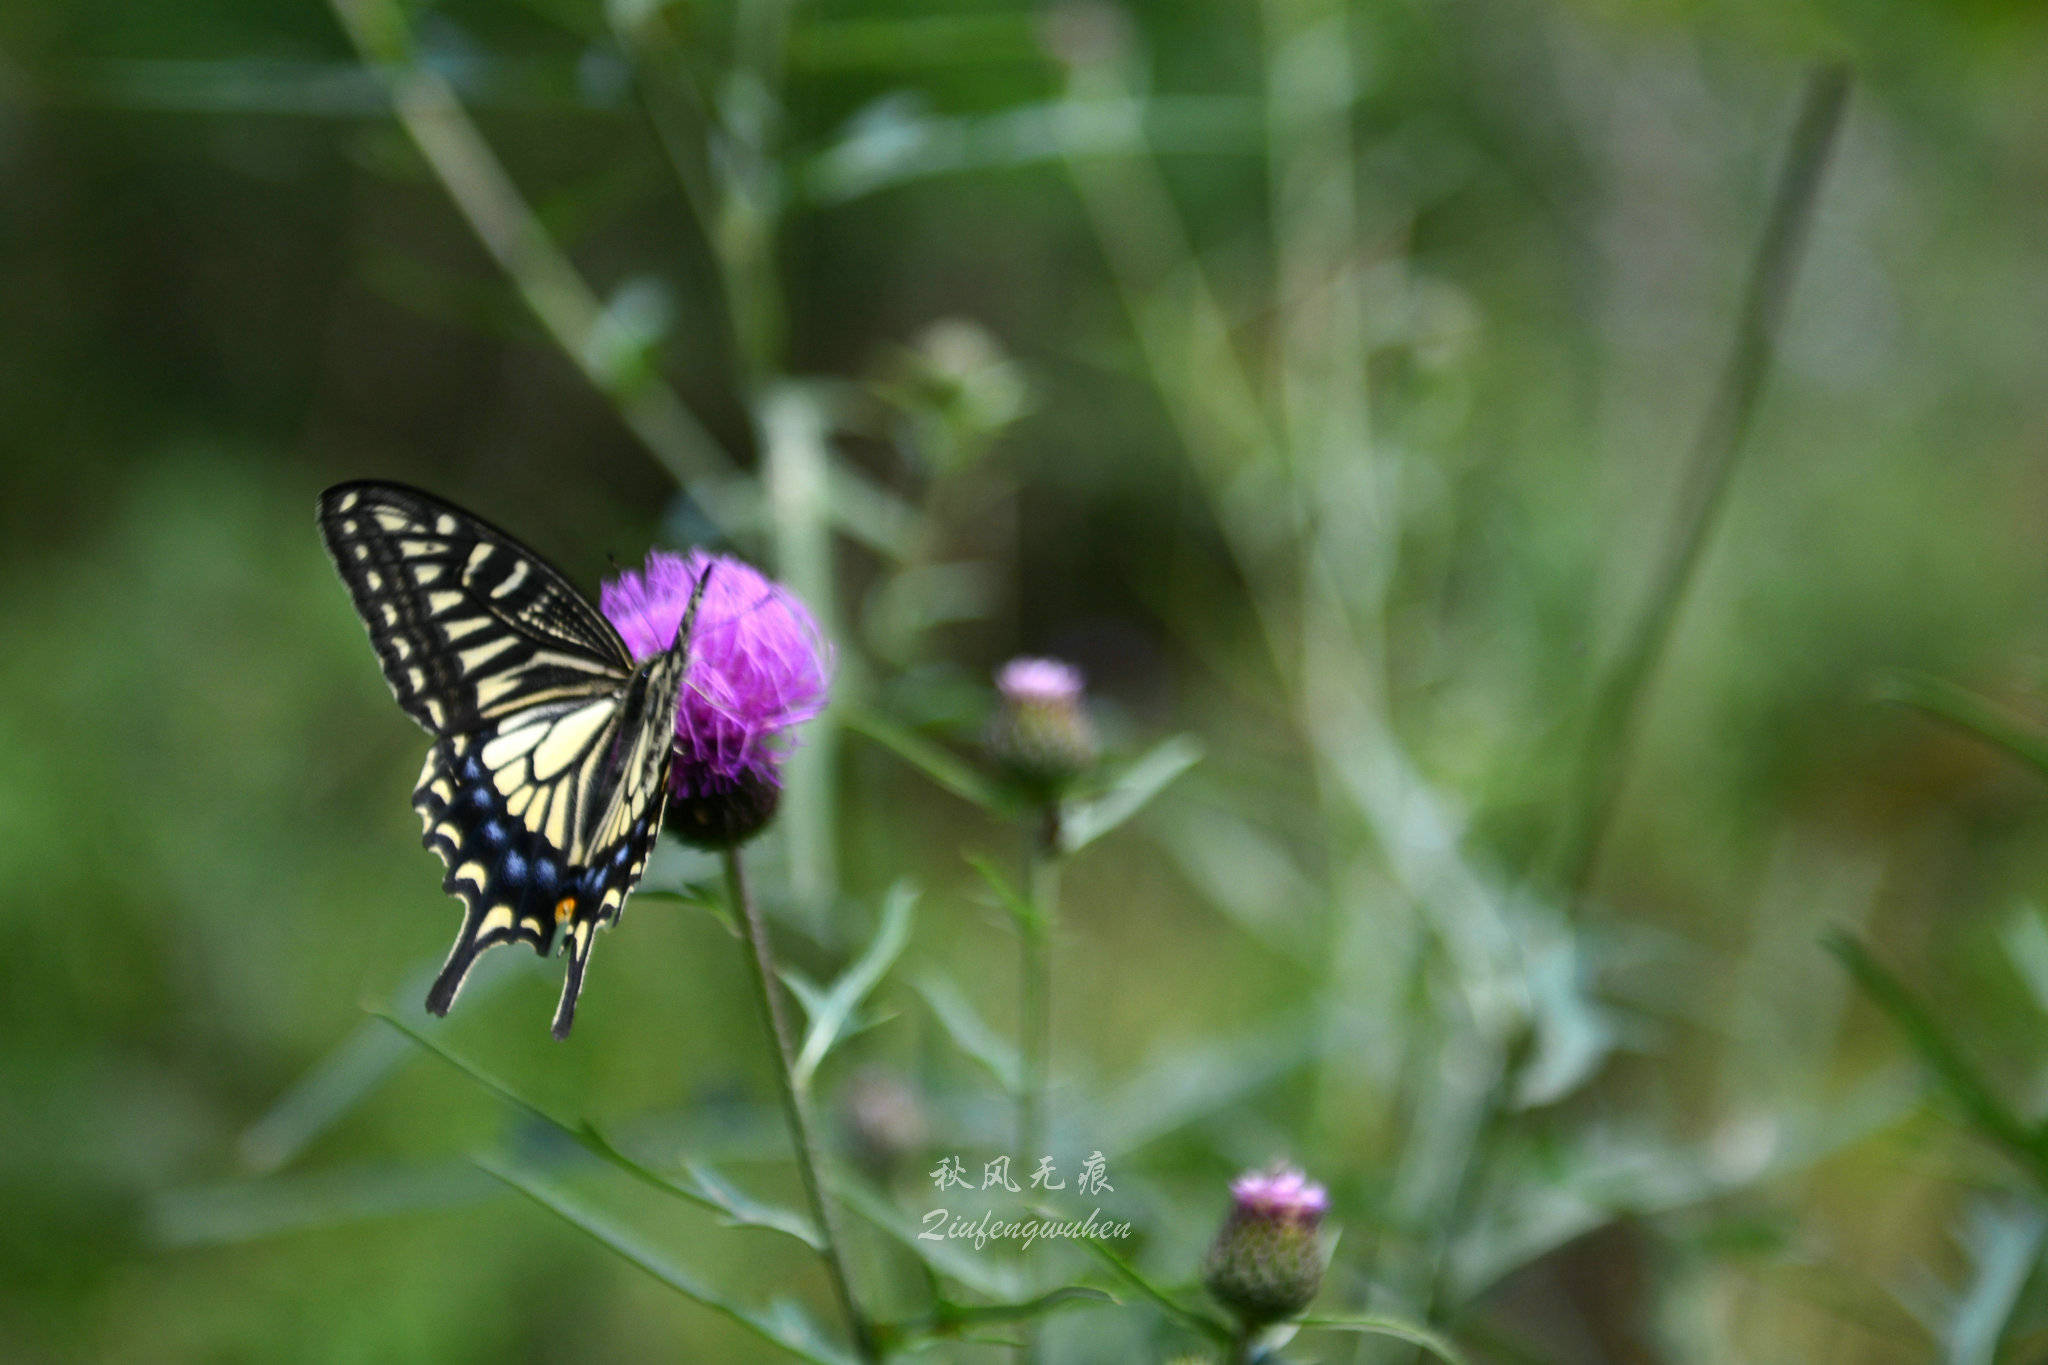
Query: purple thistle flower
[758, 668]
[1044, 682]
[1280, 1192]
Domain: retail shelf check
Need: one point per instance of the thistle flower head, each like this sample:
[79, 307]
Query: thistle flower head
[758, 669]
[1041, 682]
[1268, 1260]
[1041, 732]
[1281, 1193]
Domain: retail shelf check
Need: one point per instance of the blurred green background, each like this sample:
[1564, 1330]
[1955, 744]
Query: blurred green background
[1473, 268]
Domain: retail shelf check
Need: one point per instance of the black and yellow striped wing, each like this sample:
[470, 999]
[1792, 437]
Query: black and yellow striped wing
[544, 787]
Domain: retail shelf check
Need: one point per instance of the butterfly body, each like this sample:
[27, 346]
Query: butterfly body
[544, 788]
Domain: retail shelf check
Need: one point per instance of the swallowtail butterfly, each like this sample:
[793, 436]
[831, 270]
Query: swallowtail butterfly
[544, 787]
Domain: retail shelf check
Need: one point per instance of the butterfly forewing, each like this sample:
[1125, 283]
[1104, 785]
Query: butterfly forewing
[543, 791]
[466, 621]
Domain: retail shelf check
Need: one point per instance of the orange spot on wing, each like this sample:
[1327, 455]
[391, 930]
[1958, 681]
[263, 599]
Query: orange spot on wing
[564, 908]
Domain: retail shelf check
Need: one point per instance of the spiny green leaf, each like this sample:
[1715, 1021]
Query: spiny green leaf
[830, 1011]
[783, 1324]
[948, 1319]
[704, 1190]
[808, 993]
[934, 762]
[1390, 1327]
[742, 1210]
[1083, 822]
[1213, 1328]
[984, 1275]
[1026, 915]
[968, 1031]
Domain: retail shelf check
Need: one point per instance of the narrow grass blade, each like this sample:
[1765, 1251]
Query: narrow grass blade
[1982, 1108]
[356, 1069]
[783, 1324]
[1966, 710]
[2005, 1249]
[252, 1210]
[1619, 703]
[1183, 1084]
[2025, 936]
[336, 1084]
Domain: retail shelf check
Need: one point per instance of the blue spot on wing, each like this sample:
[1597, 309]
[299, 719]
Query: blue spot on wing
[522, 871]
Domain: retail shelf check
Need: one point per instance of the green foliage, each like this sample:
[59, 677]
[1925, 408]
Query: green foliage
[831, 1011]
[1489, 748]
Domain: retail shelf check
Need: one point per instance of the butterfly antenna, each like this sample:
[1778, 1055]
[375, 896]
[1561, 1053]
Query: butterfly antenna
[689, 621]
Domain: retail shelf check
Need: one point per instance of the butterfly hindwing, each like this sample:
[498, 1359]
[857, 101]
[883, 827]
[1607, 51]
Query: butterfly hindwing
[514, 884]
[544, 788]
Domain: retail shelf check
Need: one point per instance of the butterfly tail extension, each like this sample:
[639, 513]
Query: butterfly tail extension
[577, 942]
[441, 995]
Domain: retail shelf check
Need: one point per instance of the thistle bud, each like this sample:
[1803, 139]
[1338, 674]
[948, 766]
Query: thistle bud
[1268, 1261]
[884, 1121]
[1041, 733]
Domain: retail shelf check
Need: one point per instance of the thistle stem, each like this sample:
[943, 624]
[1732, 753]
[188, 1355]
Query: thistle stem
[1618, 707]
[1042, 882]
[761, 958]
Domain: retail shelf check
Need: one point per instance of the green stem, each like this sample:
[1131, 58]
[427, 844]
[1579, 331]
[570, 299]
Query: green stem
[1618, 706]
[795, 459]
[427, 108]
[1034, 983]
[762, 959]
[1042, 880]
[1462, 1200]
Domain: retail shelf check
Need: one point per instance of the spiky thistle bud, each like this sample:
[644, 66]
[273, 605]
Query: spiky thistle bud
[1041, 733]
[758, 669]
[1268, 1261]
